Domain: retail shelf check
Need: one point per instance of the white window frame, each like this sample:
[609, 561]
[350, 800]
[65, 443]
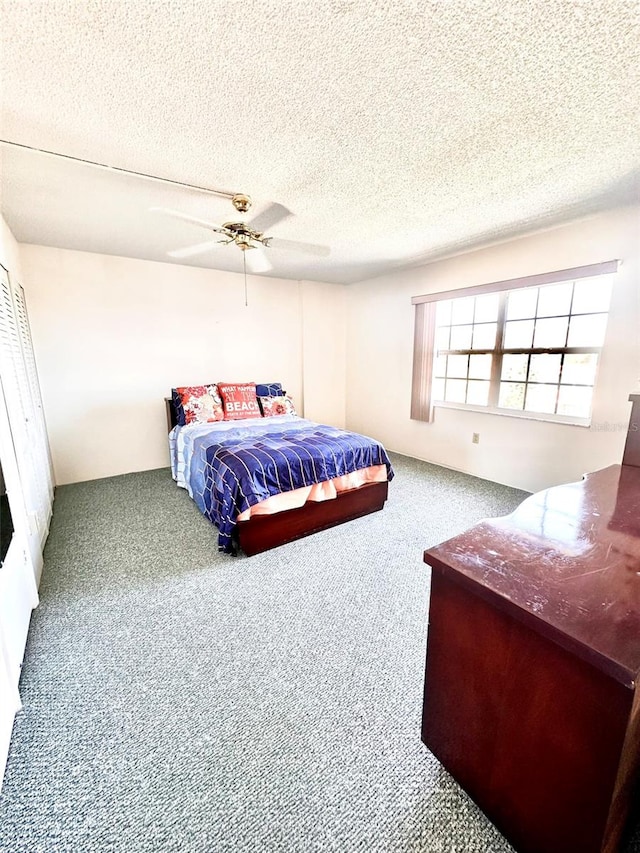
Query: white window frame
[422, 405]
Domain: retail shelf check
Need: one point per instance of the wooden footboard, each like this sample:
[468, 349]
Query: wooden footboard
[262, 532]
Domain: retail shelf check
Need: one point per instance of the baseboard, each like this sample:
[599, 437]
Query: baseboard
[453, 468]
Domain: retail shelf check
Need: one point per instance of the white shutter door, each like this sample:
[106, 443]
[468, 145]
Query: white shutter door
[39, 423]
[20, 409]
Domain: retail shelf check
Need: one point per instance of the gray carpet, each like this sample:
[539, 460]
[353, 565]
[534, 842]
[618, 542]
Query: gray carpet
[181, 700]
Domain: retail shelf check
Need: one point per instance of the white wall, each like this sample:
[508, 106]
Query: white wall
[324, 339]
[9, 250]
[523, 453]
[112, 335]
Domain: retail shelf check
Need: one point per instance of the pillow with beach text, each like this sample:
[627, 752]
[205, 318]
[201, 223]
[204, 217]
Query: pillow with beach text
[239, 401]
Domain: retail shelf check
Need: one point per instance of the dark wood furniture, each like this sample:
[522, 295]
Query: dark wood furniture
[263, 532]
[170, 412]
[631, 454]
[531, 697]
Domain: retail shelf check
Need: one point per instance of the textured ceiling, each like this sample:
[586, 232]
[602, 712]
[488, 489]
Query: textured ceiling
[395, 131]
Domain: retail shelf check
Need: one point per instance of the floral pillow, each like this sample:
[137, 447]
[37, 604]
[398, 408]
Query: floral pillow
[272, 406]
[239, 401]
[197, 404]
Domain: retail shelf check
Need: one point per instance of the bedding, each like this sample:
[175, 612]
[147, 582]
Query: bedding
[317, 493]
[228, 467]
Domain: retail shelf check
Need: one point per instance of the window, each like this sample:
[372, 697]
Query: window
[530, 349]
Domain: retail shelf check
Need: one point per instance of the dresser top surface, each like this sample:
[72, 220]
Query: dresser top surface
[567, 562]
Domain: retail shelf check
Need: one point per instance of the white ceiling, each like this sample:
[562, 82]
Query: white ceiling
[396, 131]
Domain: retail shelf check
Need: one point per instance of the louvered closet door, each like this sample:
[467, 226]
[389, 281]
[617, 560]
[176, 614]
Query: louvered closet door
[39, 423]
[34, 474]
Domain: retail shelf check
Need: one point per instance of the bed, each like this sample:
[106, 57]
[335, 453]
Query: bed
[267, 481]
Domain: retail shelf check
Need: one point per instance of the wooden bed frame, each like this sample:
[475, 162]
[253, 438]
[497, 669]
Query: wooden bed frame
[263, 532]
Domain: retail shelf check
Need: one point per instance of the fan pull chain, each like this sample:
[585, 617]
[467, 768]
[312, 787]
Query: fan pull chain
[244, 267]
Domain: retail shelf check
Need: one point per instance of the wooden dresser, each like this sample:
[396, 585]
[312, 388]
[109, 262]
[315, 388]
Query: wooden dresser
[531, 699]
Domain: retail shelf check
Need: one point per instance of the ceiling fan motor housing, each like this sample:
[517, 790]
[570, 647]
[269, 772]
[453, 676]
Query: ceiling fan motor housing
[242, 235]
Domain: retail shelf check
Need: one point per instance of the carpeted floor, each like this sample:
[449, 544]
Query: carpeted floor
[181, 700]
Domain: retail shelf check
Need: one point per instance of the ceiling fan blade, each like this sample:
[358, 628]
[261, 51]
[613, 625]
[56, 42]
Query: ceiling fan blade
[268, 218]
[198, 249]
[295, 246]
[176, 214]
[257, 261]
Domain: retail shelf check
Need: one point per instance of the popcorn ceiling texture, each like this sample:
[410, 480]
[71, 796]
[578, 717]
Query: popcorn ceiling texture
[395, 131]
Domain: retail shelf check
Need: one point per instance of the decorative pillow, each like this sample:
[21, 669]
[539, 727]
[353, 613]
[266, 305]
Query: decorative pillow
[272, 406]
[197, 404]
[270, 389]
[239, 401]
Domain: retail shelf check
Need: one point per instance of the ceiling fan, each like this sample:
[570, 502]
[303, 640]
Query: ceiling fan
[246, 235]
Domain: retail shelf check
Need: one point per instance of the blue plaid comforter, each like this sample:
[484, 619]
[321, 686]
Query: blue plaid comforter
[228, 467]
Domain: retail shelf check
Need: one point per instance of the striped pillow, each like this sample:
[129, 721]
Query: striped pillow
[269, 389]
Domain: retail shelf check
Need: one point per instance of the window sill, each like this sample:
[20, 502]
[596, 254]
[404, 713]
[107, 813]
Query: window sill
[515, 413]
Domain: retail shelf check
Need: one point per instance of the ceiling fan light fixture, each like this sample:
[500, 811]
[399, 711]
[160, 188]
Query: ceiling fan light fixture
[243, 241]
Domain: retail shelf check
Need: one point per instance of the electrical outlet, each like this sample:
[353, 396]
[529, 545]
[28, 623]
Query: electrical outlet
[475, 439]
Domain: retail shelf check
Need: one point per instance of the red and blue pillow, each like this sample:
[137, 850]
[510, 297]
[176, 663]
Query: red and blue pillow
[239, 401]
[197, 404]
[205, 403]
